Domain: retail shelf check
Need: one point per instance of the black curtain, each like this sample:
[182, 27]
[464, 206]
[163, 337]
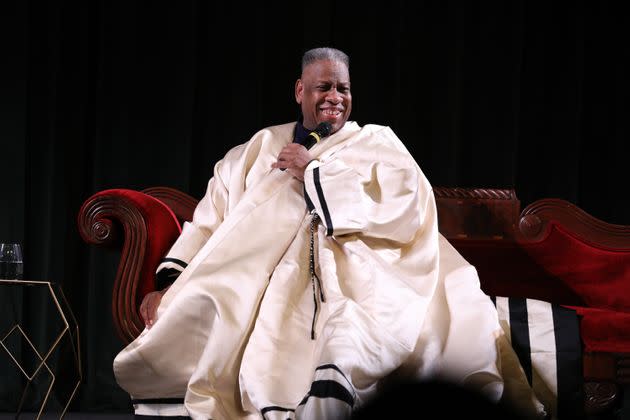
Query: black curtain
[106, 94]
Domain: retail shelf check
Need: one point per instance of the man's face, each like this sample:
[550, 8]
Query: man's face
[323, 92]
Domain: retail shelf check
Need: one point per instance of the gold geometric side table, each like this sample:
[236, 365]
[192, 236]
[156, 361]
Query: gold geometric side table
[69, 330]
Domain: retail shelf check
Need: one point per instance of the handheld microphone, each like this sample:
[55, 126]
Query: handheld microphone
[322, 130]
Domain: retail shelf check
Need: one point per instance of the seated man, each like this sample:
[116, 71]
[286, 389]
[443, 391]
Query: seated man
[309, 275]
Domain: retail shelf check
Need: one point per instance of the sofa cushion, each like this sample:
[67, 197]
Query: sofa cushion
[604, 330]
[594, 272]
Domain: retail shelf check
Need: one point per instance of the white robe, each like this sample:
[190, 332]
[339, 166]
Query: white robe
[233, 334]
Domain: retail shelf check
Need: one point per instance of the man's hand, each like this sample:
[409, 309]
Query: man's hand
[149, 305]
[294, 158]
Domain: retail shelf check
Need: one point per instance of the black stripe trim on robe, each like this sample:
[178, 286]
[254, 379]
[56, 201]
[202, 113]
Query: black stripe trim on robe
[166, 277]
[519, 332]
[329, 389]
[322, 202]
[177, 261]
[334, 367]
[275, 408]
[568, 363]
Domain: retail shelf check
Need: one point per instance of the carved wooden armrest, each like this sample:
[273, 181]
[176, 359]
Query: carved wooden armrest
[143, 228]
[536, 218]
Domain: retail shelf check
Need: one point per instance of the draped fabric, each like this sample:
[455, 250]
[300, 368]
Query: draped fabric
[251, 327]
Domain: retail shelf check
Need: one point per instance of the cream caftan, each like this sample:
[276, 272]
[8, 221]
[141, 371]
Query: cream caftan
[297, 298]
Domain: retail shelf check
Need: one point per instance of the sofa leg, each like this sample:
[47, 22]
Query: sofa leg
[624, 410]
[600, 398]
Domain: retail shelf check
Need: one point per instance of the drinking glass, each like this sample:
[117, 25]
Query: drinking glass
[11, 263]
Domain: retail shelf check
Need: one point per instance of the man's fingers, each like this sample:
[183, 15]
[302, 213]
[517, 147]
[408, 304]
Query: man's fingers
[145, 313]
[151, 310]
[280, 163]
[147, 309]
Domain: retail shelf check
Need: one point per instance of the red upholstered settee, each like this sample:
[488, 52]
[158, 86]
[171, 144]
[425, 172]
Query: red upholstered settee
[551, 251]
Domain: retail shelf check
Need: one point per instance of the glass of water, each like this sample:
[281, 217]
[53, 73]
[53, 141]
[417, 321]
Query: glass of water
[11, 263]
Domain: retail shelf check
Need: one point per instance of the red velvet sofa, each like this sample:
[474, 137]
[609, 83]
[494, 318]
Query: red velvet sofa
[551, 251]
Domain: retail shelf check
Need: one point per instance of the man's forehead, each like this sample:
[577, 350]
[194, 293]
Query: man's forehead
[326, 71]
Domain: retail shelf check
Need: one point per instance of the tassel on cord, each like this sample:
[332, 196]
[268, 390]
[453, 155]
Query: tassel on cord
[315, 281]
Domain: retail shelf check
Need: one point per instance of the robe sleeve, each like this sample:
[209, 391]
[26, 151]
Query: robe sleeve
[376, 190]
[208, 215]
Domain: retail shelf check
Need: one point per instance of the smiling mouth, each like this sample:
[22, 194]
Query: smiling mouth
[331, 112]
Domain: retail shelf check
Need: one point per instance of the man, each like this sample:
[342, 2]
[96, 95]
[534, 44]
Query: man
[308, 276]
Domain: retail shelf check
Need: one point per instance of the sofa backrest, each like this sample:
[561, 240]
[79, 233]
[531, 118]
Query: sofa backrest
[552, 250]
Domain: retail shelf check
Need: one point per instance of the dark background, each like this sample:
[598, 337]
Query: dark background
[106, 94]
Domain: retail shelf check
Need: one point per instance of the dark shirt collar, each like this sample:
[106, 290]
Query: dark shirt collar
[301, 133]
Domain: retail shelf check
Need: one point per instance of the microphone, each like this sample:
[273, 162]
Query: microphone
[322, 130]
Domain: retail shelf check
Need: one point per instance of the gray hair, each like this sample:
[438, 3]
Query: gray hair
[325, 53]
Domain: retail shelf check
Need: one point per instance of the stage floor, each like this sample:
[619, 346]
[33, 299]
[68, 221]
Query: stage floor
[69, 416]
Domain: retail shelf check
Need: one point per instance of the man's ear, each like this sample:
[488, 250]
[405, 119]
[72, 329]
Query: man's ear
[299, 90]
